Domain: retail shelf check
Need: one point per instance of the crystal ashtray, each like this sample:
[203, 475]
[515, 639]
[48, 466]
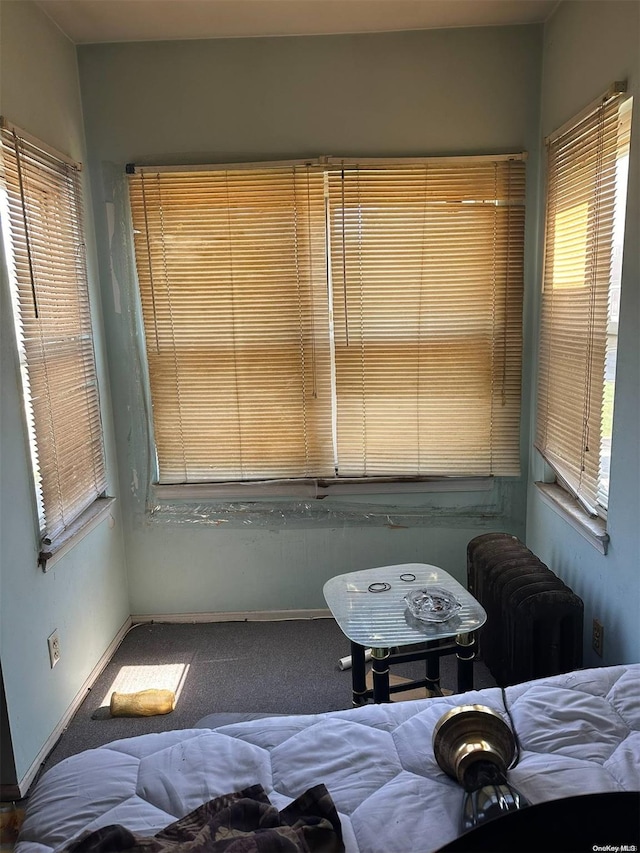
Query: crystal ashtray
[432, 604]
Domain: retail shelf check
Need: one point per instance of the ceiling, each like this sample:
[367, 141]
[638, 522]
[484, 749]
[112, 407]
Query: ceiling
[91, 21]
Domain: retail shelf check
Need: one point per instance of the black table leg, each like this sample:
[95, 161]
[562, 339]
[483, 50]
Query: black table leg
[358, 676]
[433, 673]
[380, 673]
[465, 652]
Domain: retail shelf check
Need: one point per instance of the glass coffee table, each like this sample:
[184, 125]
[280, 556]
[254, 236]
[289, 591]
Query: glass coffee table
[370, 609]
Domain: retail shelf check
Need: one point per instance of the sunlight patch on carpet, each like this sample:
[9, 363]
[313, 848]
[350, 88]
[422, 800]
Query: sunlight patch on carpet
[131, 679]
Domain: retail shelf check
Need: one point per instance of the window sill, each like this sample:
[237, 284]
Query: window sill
[82, 526]
[592, 528]
[396, 504]
[317, 489]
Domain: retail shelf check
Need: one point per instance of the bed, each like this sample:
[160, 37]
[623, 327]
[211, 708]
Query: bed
[579, 734]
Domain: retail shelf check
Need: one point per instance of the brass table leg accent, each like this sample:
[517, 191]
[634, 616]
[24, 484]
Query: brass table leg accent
[380, 673]
[465, 652]
[358, 675]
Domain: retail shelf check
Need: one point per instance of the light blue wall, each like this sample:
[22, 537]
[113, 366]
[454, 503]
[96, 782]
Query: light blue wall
[454, 92]
[588, 45]
[84, 595]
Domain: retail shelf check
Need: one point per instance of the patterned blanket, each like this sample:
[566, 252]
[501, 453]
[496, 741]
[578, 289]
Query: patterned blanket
[242, 822]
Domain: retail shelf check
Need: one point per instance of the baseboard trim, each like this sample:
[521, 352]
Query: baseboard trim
[23, 785]
[238, 616]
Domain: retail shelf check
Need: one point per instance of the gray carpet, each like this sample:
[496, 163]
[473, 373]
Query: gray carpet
[288, 667]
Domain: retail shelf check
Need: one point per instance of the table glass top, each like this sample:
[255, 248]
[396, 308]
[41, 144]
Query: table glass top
[382, 619]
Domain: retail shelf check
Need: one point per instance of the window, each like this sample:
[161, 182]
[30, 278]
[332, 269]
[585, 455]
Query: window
[586, 192]
[332, 319]
[42, 225]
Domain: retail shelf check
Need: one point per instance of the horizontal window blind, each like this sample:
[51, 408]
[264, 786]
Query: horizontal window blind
[51, 301]
[581, 213]
[332, 319]
[232, 273]
[427, 275]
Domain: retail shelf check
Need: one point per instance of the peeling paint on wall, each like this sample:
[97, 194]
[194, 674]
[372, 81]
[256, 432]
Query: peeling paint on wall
[117, 307]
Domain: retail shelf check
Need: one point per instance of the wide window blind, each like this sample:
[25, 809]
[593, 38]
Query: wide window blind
[332, 319]
[583, 174]
[232, 272]
[427, 275]
[47, 256]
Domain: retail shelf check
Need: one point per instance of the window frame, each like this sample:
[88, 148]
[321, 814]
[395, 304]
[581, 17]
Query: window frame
[31, 169]
[570, 499]
[310, 486]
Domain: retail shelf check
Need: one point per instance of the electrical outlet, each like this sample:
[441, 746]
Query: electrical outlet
[597, 637]
[54, 648]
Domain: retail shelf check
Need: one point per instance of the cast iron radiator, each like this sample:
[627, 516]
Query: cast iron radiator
[534, 621]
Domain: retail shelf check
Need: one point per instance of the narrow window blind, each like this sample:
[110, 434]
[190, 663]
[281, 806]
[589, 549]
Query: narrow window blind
[581, 214]
[232, 274]
[47, 255]
[427, 273]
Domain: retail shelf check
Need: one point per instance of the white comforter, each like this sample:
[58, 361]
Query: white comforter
[580, 734]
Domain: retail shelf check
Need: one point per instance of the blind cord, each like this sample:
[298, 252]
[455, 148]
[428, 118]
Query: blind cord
[26, 221]
[514, 731]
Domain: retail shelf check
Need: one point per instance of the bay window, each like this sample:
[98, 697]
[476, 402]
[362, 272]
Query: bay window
[332, 319]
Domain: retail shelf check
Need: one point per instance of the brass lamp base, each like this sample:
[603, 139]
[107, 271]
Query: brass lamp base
[474, 746]
[472, 733]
